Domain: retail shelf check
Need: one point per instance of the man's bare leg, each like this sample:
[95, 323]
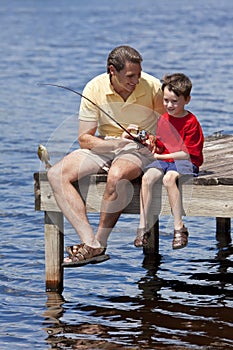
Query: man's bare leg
[61, 176]
[117, 192]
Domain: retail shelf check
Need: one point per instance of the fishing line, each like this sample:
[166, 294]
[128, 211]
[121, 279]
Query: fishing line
[101, 109]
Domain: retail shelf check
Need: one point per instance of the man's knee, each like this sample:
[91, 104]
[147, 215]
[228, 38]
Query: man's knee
[114, 177]
[122, 169]
[118, 183]
[52, 175]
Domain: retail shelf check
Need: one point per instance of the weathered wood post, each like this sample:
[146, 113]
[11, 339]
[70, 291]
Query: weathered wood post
[153, 246]
[153, 220]
[223, 231]
[54, 247]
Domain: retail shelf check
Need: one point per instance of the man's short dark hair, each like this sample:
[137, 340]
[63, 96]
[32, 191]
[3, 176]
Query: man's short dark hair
[122, 54]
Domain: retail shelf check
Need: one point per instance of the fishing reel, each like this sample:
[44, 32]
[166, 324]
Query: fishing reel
[142, 135]
[147, 140]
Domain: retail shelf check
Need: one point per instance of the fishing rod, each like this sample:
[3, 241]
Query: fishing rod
[142, 135]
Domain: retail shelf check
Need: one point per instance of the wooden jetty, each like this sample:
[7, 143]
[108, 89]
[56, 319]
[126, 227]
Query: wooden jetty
[209, 195]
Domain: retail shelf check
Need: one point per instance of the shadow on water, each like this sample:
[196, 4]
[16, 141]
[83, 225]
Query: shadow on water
[149, 320]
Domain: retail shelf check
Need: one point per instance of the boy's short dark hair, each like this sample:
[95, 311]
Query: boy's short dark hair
[179, 83]
[120, 55]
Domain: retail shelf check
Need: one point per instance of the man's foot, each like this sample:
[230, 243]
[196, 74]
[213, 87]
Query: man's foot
[73, 249]
[180, 239]
[142, 238]
[84, 253]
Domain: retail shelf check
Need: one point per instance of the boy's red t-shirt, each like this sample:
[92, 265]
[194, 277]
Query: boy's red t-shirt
[180, 134]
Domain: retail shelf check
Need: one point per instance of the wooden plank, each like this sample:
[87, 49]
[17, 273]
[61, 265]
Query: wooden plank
[206, 181]
[210, 201]
[218, 157]
[212, 187]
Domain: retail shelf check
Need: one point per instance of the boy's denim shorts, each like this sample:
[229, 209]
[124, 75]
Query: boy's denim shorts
[183, 167]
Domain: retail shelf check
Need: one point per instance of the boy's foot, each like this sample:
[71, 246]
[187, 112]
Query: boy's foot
[180, 239]
[142, 238]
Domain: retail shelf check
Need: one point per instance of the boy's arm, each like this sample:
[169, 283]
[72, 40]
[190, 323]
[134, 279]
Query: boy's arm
[180, 155]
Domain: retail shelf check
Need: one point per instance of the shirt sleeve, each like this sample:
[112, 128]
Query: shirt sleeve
[193, 140]
[158, 101]
[88, 111]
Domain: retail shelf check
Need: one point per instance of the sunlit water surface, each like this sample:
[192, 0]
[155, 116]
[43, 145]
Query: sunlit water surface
[184, 300]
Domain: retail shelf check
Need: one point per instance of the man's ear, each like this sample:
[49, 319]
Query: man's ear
[112, 69]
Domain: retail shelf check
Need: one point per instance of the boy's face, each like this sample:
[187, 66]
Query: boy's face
[174, 104]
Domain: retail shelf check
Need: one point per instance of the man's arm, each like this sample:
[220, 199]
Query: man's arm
[88, 140]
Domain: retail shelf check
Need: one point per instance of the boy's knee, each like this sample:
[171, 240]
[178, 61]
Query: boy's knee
[149, 178]
[169, 179]
[145, 180]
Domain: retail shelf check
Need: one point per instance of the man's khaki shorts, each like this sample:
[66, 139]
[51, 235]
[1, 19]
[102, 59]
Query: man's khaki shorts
[132, 152]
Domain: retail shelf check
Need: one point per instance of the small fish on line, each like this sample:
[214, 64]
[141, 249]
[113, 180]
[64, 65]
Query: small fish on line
[44, 156]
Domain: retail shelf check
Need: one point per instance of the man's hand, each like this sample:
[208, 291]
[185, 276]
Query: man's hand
[133, 129]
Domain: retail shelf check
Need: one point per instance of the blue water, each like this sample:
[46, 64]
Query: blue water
[184, 301]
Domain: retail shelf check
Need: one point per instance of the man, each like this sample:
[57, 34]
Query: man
[130, 96]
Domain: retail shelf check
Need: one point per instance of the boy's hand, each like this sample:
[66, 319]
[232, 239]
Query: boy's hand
[151, 143]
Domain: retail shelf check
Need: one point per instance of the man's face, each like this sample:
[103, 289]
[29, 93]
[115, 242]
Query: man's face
[127, 78]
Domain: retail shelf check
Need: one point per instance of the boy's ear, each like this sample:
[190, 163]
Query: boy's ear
[188, 99]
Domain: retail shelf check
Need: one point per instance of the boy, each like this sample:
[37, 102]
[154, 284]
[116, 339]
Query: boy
[178, 151]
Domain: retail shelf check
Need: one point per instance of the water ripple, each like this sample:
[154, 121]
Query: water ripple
[179, 300]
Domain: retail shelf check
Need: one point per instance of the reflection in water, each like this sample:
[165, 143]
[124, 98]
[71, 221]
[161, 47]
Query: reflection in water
[223, 276]
[53, 313]
[61, 335]
[148, 320]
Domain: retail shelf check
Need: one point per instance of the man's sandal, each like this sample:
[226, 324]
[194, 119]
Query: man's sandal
[86, 255]
[142, 238]
[180, 239]
[73, 249]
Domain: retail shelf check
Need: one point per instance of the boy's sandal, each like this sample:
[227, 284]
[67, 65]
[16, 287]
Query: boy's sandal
[142, 238]
[180, 239]
[85, 255]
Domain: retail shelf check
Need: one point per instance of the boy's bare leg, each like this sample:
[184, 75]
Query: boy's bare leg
[151, 176]
[174, 197]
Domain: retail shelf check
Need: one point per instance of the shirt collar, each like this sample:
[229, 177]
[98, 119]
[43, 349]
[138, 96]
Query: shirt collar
[139, 90]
